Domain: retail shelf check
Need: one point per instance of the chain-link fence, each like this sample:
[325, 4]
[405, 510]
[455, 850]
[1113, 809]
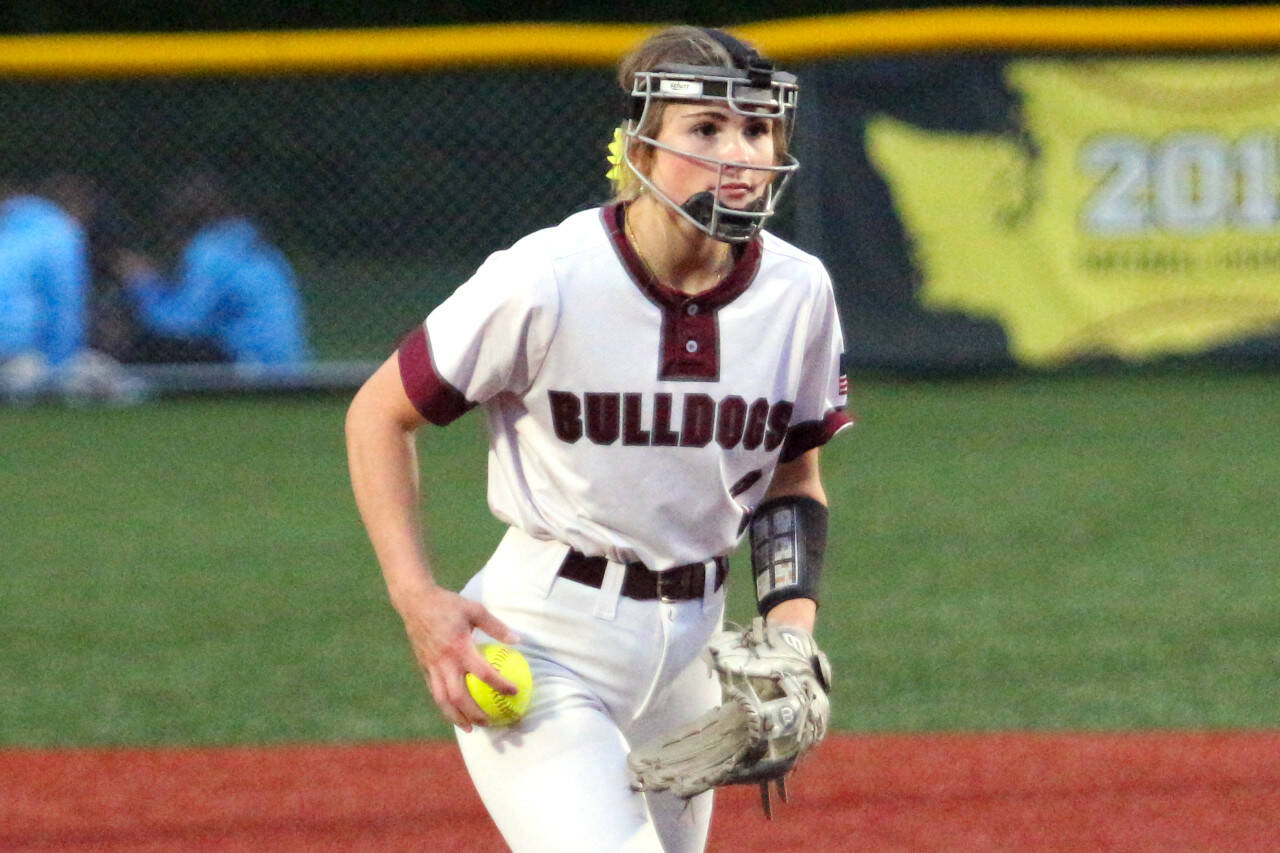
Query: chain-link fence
[381, 190]
[921, 172]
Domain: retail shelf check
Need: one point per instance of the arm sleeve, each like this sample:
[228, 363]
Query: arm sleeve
[262, 310]
[187, 306]
[488, 338]
[819, 410]
[68, 280]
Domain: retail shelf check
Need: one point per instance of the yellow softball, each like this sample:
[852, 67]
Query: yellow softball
[503, 710]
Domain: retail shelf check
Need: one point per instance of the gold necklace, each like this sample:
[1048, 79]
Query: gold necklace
[635, 247]
[630, 230]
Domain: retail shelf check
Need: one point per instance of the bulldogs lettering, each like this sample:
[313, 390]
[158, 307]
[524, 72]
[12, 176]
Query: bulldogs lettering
[610, 417]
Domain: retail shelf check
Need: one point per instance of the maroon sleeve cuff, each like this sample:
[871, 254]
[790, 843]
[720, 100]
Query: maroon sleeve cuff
[435, 399]
[804, 437]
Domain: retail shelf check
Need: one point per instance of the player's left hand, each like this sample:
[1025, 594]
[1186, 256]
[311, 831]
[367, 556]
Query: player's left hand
[775, 709]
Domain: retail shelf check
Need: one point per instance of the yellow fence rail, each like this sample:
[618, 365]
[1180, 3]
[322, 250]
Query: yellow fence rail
[489, 45]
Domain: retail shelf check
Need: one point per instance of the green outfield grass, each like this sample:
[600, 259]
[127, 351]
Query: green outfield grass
[1060, 553]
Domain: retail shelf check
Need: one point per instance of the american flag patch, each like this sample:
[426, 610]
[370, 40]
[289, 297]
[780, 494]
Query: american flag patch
[844, 385]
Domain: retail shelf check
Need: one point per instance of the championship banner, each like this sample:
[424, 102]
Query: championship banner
[1132, 210]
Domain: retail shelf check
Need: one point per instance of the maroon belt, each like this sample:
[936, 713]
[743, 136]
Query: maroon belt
[680, 583]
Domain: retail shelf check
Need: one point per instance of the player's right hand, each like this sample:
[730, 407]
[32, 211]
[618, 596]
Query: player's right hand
[439, 626]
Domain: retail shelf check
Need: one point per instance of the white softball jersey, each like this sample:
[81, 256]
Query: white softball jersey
[628, 420]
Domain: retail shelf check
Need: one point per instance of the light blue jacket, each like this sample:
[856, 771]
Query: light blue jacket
[235, 289]
[44, 277]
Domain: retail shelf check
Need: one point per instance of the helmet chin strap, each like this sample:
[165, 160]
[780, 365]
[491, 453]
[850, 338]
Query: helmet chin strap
[722, 223]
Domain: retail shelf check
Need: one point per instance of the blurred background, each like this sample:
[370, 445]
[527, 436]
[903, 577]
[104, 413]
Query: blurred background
[1056, 251]
[980, 208]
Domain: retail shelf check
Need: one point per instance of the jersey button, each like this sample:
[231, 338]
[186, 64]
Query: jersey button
[691, 346]
[691, 310]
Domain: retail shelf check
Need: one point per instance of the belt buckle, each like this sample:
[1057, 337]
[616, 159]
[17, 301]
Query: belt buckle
[673, 585]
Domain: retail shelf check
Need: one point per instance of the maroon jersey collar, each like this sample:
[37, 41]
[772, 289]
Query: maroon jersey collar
[728, 289]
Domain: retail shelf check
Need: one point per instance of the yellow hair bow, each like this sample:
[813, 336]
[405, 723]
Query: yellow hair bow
[616, 163]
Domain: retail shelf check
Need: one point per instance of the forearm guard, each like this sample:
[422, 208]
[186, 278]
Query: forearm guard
[788, 543]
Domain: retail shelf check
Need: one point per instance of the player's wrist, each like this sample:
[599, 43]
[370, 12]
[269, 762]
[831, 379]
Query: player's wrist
[799, 613]
[412, 590]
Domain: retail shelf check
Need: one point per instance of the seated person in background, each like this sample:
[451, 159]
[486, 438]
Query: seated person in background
[44, 285]
[233, 296]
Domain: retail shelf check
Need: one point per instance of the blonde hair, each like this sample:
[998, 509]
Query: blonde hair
[678, 45]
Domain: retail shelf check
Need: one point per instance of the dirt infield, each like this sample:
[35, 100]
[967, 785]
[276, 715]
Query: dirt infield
[1006, 792]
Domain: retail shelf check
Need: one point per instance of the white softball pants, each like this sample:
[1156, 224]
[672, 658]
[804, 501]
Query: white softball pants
[608, 672]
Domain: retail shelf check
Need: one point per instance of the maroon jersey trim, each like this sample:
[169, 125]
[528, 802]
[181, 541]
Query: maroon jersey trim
[804, 437]
[433, 397]
[689, 348]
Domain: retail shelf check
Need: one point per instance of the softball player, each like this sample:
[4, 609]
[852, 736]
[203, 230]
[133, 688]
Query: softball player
[654, 374]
